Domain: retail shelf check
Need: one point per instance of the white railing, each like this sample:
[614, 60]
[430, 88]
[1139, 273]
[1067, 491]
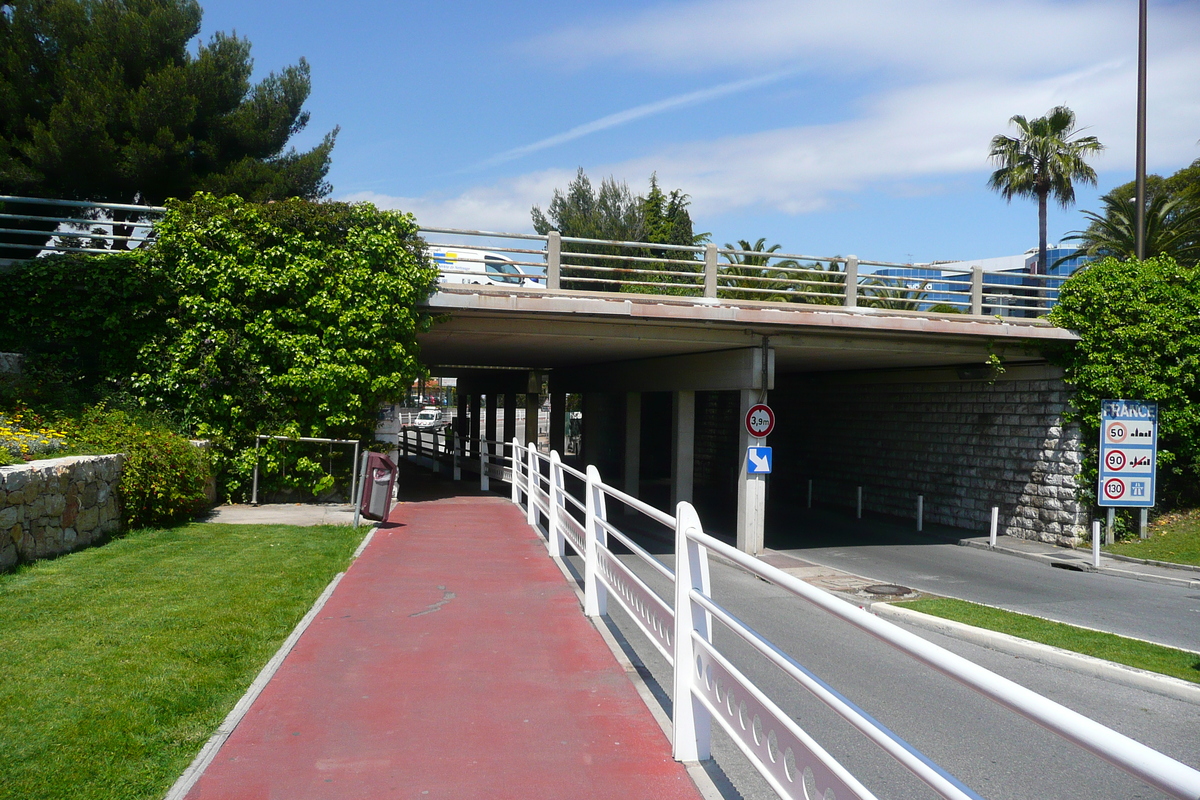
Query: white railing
[33, 226]
[707, 687]
[719, 273]
[30, 226]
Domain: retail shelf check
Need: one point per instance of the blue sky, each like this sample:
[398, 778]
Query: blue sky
[831, 128]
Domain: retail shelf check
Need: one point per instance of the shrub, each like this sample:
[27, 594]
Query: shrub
[1140, 339]
[162, 480]
[79, 320]
[290, 318]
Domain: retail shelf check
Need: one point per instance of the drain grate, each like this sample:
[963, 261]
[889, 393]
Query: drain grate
[889, 589]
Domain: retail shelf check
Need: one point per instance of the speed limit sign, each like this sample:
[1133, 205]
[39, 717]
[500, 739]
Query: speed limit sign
[760, 421]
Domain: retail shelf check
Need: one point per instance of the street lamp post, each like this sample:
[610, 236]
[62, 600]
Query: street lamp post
[1141, 133]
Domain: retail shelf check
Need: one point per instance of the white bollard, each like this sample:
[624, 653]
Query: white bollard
[1096, 543]
[858, 504]
[995, 525]
[920, 512]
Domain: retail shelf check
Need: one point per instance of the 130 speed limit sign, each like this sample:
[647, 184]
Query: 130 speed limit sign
[760, 421]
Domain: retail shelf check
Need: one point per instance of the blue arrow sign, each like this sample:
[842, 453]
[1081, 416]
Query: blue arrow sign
[758, 460]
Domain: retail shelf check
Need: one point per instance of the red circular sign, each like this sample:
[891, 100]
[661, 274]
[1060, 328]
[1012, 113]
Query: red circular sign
[1114, 488]
[1116, 432]
[760, 421]
[1115, 460]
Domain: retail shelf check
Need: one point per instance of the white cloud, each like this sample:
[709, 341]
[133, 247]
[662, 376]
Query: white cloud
[636, 113]
[503, 206]
[951, 73]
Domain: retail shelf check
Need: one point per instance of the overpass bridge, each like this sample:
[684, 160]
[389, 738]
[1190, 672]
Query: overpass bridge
[902, 386]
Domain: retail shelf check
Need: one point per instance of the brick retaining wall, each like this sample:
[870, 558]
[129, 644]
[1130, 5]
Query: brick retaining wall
[57, 505]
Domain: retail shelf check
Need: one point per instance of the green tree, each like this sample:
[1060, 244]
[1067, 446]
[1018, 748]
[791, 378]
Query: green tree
[1139, 339]
[614, 213]
[1043, 161]
[103, 100]
[1172, 228]
[289, 318]
[1172, 219]
[756, 277]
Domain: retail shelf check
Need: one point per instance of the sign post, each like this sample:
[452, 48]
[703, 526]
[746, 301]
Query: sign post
[1128, 456]
[756, 464]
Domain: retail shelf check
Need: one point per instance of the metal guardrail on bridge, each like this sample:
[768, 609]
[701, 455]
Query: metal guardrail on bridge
[30, 227]
[721, 274]
[707, 687]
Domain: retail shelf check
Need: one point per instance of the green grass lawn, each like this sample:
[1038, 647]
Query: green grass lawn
[118, 662]
[1174, 537]
[1108, 646]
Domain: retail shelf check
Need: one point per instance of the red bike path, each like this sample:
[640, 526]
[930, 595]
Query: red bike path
[453, 660]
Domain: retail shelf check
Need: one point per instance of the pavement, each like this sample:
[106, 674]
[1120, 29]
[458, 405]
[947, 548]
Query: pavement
[303, 514]
[451, 660]
[1183, 575]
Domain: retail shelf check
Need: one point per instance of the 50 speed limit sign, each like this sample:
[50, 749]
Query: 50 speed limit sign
[760, 421]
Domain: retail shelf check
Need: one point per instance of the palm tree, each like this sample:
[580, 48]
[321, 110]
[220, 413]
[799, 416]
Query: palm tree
[753, 272]
[1172, 228]
[1044, 160]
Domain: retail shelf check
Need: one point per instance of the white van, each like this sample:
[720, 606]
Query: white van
[467, 265]
[429, 417]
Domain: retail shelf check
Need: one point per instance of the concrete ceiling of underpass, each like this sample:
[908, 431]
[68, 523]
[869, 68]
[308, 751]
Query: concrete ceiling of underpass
[502, 332]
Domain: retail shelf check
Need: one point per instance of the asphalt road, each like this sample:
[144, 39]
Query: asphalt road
[890, 551]
[998, 754]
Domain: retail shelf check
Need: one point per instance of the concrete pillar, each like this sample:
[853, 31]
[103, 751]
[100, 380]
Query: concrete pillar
[531, 418]
[558, 421]
[476, 427]
[489, 429]
[633, 445]
[752, 489]
[510, 418]
[683, 446]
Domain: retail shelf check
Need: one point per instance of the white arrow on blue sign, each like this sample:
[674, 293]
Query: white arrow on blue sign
[759, 460]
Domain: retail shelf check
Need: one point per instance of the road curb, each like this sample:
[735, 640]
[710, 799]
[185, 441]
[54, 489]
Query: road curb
[207, 753]
[1054, 656]
[1167, 580]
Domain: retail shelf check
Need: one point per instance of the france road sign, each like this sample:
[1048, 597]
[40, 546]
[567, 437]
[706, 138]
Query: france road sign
[760, 421]
[1128, 452]
[758, 460]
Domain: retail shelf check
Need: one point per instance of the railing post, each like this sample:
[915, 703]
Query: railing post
[692, 721]
[595, 596]
[977, 291]
[555, 541]
[851, 281]
[532, 481]
[710, 270]
[484, 478]
[515, 471]
[553, 259]
[458, 446]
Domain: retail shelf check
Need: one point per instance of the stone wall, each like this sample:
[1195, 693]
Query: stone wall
[57, 505]
[964, 443]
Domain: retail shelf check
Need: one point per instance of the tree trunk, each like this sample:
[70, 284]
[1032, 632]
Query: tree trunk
[1040, 268]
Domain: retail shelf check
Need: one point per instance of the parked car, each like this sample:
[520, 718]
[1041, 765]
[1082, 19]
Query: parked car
[429, 418]
[467, 265]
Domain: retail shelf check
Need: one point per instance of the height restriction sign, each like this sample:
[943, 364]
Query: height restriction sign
[1128, 452]
[760, 421]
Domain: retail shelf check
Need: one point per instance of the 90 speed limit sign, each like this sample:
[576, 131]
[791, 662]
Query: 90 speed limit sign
[760, 421]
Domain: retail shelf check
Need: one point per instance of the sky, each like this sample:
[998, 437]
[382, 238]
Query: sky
[859, 127]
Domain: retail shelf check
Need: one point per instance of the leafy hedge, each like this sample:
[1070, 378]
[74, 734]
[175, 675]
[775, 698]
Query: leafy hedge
[163, 477]
[291, 318]
[1139, 323]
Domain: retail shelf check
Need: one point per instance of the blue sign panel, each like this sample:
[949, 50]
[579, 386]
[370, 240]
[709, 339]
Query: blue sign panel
[758, 460]
[1128, 453]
